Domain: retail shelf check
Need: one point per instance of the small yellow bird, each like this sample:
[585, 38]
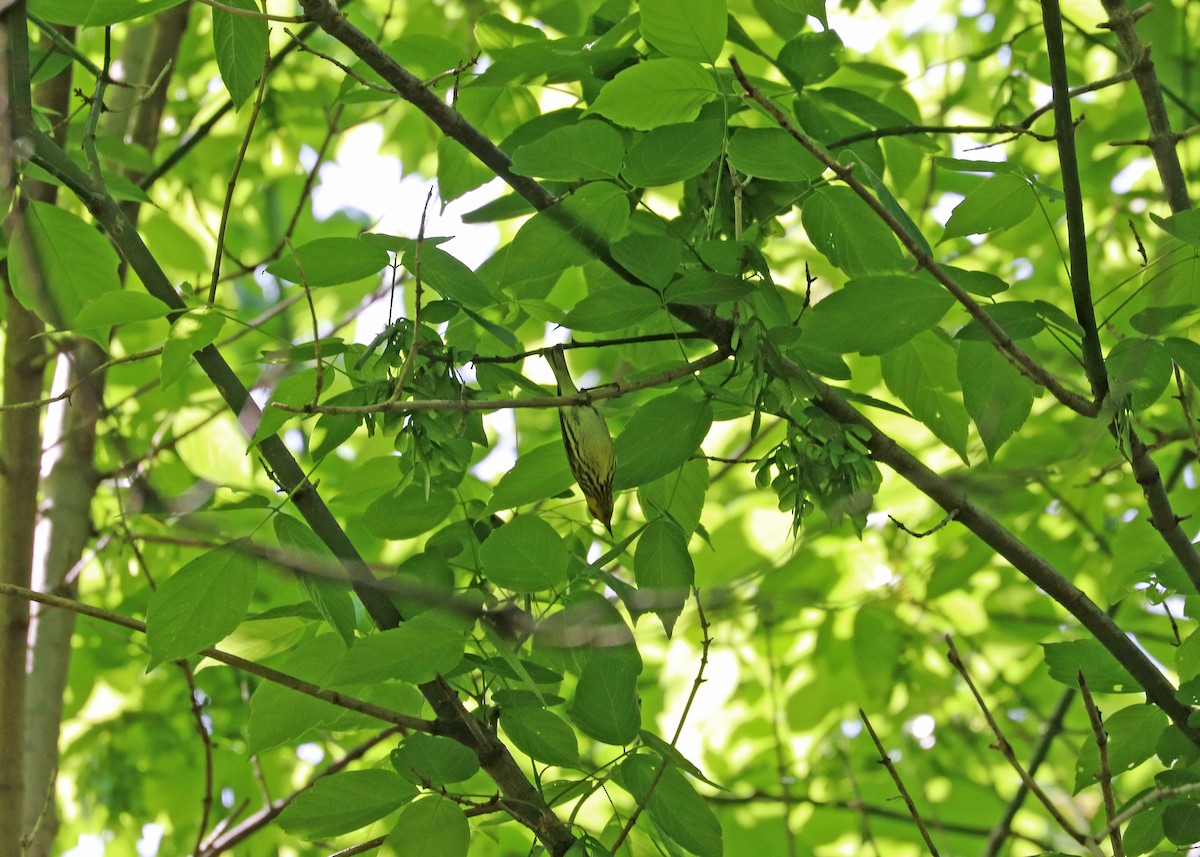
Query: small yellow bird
[587, 441]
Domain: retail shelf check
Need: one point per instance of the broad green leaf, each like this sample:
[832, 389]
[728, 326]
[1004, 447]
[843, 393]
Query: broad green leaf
[1103, 672]
[997, 396]
[679, 495]
[685, 29]
[1019, 319]
[660, 437]
[872, 315]
[849, 234]
[772, 153]
[1156, 320]
[525, 555]
[119, 307]
[330, 262]
[587, 626]
[606, 701]
[344, 802]
[279, 714]
[977, 282]
[923, 374]
[706, 288]
[439, 270]
[673, 153]
[241, 47]
[556, 239]
[434, 760]
[410, 513]
[810, 58]
[1140, 368]
[1186, 354]
[651, 258]
[664, 572]
[436, 825]
[295, 390]
[589, 150]
[673, 804]
[612, 309]
[1184, 225]
[1181, 823]
[330, 594]
[655, 93]
[201, 603]
[421, 648]
[458, 171]
[541, 735]
[1133, 736]
[74, 266]
[97, 13]
[1000, 202]
[538, 474]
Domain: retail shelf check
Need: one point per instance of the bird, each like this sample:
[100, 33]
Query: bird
[588, 444]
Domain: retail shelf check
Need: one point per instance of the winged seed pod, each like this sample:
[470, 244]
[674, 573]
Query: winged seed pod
[587, 441]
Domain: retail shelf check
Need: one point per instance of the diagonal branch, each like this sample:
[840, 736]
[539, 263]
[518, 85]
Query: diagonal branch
[1077, 239]
[1035, 567]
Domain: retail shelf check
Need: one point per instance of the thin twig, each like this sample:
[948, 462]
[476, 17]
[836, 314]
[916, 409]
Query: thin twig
[950, 516]
[233, 178]
[886, 760]
[1110, 802]
[253, 13]
[1006, 750]
[406, 372]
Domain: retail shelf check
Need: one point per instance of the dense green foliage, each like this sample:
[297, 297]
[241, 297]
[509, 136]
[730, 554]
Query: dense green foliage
[893, 336]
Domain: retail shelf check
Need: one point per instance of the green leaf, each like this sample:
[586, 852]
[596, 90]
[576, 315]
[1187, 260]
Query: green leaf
[279, 714]
[705, 288]
[1181, 823]
[1133, 736]
[872, 315]
[556, 239]
[344, 802]
[201, 603]
[73, 266]
[1184, 225]
[664, 572]
[651, 258]
[685, 29]
[589, 150]
[1140, 368]
[612, 309]
[606, 701]
[410, 513]
[542, 735]
[588, 626]
[810, 58]
[439, 270]
[525, 555]
[660, 437]
[120, 307]
[673, 153]
[97, 13]
[241, 46]
[772, 153]
[923, 374]
[436, 824]
[330, 262]
[422, 647]
[679, 495]
[845, 230]
[1000, 202]
[295, 390]
[1155, 320]
[673, 805]
[997, 396]
[330, 594]
[655, 93]
[1103, 672]
[433, 760]
[538, 474]
[1186, 355]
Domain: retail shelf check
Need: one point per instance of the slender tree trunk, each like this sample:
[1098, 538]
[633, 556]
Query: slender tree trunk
[72, 480]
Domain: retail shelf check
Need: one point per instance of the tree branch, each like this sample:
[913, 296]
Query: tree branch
[1077, 239]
